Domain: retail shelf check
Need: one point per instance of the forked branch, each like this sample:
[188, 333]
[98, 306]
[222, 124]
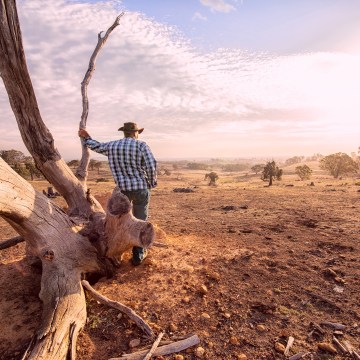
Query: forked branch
[81, 172]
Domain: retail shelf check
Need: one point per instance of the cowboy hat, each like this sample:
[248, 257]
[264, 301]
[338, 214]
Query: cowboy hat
[130, 126]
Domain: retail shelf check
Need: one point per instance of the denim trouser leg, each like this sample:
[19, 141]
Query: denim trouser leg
[140, 200]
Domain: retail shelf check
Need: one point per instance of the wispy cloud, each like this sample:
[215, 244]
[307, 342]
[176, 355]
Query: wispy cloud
[199, 16]
[218, 5]
[150, 73]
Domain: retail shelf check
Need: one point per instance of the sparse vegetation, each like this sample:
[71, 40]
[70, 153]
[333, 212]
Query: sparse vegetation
[271, 171]
[257, 168]
[197, 166]
[303, 171]
[294, 160]
[212, 176]
[339, 164]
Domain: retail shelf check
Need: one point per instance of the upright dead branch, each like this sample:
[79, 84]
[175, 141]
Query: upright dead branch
[36, 136]
[81, 172]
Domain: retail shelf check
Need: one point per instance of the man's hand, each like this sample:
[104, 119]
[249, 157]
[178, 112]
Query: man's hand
[83, 134]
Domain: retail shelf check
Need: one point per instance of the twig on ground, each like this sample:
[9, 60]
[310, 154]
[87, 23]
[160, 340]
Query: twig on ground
[141, 323]
[11, 242]
[154, 347]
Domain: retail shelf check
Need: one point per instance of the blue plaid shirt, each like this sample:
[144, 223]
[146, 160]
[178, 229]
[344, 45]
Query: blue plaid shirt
[131, 161]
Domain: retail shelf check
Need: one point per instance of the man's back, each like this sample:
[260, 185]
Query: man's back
[131, 162]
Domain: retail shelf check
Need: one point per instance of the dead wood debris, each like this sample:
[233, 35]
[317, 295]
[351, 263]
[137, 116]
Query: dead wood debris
[11, 242]
[141, 323]
[163, 350]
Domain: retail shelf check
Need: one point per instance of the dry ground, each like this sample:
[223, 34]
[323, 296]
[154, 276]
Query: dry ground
[247, 266]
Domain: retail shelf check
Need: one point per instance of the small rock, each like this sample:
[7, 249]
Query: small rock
[172, 327]
[280, 348]
[241, 357]
[134, 343]
[203, 289]
[327, 347]
[179, 357]
[199, 352]
[214, 276]
[227, 315]
[210, 344]
[234, 340]
[205, 316]
[261, 328]
[186, 300]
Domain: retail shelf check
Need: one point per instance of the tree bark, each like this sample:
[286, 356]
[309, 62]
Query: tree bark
[82, 170]
[36, 136]
[51, 236]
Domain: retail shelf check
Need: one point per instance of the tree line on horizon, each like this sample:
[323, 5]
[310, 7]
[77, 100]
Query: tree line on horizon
[337, 164]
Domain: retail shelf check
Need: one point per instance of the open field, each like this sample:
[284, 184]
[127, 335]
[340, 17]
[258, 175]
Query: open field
[247, 266]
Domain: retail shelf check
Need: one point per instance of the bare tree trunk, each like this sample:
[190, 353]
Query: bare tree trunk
[36, 136]
[52, 236]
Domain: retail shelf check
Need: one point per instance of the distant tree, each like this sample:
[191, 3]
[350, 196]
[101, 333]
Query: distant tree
[271, 171]
[73, 163]
[21, 170]
[339, 164]
[213, 176]
[294, 160]
[315, 157]
[235, 167]
[31, 167]
[257, 168]
[12, 157]
[97, 166]
[92, 163]
[167, 172]
[197, 166]
[303, 171]
[175, 166]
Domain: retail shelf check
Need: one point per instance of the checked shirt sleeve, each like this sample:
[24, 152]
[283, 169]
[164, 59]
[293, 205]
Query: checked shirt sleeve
[150, 166]
[101, 148]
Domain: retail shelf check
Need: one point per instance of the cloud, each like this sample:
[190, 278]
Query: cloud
[199, 16]
[150, 73]
[218, 5]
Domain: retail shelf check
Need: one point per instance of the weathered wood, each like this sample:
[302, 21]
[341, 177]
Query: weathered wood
[289, 345]
[297, 356]
[81, 172]
[332, 325]
[339, 345]
[36, 136]
[52, 237]
[154, 347]
[141, 323]
[163, 350]
[11, 242]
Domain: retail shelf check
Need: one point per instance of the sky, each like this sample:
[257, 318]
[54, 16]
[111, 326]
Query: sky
[205, 78]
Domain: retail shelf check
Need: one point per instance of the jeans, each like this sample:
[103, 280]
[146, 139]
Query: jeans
[140, 200]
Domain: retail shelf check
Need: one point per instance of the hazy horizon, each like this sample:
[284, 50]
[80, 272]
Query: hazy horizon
[206, 78]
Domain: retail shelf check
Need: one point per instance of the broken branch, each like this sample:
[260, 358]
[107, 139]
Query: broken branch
[141, 323]
[163, 350]
[154, 347]
[11, 242]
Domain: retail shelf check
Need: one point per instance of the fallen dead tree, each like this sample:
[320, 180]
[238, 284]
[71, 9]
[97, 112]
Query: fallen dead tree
[70, 244]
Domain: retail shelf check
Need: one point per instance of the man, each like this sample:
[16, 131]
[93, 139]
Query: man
[133, 167]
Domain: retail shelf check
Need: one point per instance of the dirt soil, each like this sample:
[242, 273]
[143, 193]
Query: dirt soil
[247, 266]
